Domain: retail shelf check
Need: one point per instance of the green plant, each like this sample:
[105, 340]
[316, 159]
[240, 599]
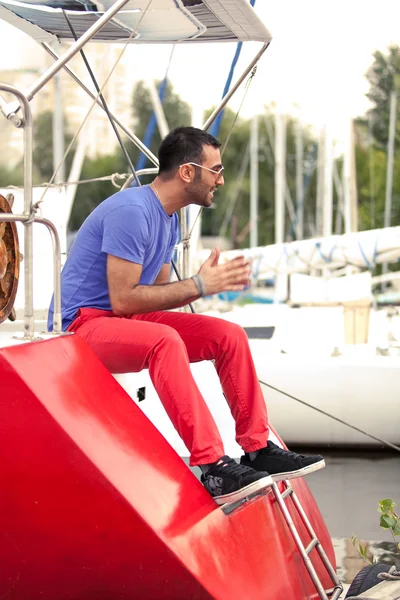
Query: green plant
[389, 520]
[362, 550]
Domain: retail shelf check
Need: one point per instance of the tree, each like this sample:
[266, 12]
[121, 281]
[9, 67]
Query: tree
[43, 147]
[236, 149]
[371, 184]
[232, 157]
[11, 176]
[234, 130]
[89, 195]
[371, 142]
[383, 77]
[177, 112]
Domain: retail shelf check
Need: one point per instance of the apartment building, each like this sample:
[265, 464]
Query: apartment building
[75, 103]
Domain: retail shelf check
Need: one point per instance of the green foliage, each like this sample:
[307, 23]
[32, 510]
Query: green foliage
[371, 186]
[43, 147]
[11, 176]
[371, 161]
[177, 112]
[233, 156]
[383, 77]
[371, 167]
[89, 195]
[372, 136]
[362, 550]
[389, 520]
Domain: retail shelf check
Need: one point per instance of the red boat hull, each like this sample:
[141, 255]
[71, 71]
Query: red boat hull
[96, 504]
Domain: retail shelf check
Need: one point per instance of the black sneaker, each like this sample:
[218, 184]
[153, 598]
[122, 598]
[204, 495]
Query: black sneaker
[283, 464]
[227, 481]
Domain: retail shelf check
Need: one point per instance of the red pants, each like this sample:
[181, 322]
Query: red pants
[165, 343]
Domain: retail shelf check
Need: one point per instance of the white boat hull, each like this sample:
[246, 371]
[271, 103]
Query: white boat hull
[361, 391]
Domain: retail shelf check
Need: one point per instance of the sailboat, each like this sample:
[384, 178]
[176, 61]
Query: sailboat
[95, 501]
[323, 349]
[327, 356]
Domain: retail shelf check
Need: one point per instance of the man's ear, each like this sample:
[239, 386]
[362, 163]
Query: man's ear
[186, 173]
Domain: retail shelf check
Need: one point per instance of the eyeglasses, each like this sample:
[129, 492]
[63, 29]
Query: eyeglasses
[219, 173]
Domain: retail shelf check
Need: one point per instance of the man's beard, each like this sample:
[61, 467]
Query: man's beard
[198, 193]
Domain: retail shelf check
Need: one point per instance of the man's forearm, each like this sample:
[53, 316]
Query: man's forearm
[151, 298]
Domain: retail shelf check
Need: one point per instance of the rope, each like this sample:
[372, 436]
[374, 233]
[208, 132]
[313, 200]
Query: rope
[63, 184]
[368, 264]
[326, 414]
[392, 575]
[246, 89]
[327, 259]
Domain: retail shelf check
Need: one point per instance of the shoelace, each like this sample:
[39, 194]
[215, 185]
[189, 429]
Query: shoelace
[231, 467]
[274, 449]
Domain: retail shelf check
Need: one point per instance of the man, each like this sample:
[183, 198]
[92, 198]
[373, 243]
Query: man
[117, 297]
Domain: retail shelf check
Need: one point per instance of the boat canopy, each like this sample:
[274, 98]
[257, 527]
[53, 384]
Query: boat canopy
[163, 21]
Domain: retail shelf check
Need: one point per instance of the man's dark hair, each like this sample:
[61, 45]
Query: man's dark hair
[182, 145]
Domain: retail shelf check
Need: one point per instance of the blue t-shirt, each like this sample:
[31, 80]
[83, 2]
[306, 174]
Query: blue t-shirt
[131, 224]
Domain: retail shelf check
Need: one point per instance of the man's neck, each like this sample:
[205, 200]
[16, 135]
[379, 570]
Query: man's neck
[168, 195]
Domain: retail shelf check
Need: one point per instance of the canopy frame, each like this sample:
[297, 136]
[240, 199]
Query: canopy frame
[10, 111]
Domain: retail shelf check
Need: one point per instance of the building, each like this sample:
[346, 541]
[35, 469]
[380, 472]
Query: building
[75, 103]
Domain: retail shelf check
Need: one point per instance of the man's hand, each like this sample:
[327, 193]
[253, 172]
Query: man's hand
[233, 275]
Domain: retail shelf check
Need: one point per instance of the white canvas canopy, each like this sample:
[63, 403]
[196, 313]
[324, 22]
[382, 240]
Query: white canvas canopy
[158, 21]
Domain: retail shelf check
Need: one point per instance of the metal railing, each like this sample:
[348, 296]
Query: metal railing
[28, 217]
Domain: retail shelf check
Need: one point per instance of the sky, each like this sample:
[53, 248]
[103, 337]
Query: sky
[314, 68]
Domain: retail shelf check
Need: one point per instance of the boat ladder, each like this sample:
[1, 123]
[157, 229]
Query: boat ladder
[337, 589]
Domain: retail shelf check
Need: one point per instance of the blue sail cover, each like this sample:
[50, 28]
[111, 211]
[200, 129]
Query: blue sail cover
[165, 21]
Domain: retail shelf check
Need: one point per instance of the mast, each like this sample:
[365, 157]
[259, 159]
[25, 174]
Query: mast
[353, 181]
[76, 169]
[327, 205]
[320, 182]
[390, 159]
[340, 205]
[347, 176]
[299, 183]
[58, 131]
[389, 169]
[193, 212]
[280, 162]
[254, 182]
[158, 109]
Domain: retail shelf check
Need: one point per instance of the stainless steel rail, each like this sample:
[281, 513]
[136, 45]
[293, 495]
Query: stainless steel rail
[134, 139]
[26, 124]
[27, 218]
